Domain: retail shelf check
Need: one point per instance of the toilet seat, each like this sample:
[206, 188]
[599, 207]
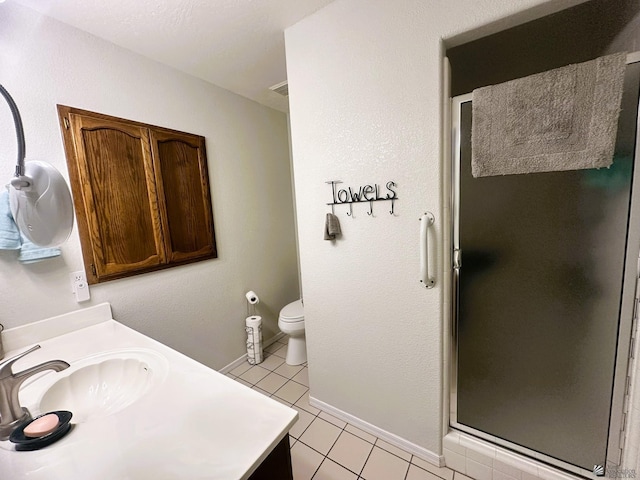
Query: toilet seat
[292, 313]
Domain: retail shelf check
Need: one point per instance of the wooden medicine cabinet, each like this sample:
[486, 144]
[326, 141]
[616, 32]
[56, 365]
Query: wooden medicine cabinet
[141, 194]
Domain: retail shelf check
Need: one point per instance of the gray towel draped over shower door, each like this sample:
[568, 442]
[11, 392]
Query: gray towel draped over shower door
[562, 119]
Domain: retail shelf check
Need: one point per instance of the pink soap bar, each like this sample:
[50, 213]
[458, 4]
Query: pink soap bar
[42, 426]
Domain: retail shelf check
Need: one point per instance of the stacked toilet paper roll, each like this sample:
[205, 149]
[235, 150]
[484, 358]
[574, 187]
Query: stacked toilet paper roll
[254, 339]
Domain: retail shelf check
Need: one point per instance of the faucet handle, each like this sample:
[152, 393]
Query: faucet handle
[5, 367]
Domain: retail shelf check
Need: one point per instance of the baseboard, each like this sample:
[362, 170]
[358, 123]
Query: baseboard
[236, 363]
[418, 451]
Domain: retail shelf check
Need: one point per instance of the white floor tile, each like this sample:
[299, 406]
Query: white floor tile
[288, 371]
[302, 377]
[272, 362]
[442, 472]
[393, 449]
[271, 383]
[350, 451]
[305, 461]
[331, 419]
[303, 402]
[383, 465]
[240, 369]
[417, 473]
[332, 471]
[460, 476]
[324, 447]
[281, 351]
[264, 392]
[361, 433]
[284, 402]
[291, 391]
[244, 382]
[320, 435]
[304, 420]
[255, 374]
[273, 347]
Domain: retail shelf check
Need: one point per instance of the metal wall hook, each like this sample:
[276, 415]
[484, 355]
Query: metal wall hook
[392, 202]
[370, 212]
[350, 212]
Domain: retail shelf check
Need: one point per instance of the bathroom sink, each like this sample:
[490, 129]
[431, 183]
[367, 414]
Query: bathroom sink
[148, 410]
[104, 384]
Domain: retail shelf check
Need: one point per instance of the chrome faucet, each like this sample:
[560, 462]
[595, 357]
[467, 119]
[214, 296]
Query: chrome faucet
[11, 413]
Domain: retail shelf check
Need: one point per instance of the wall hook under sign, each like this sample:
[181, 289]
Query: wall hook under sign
[365, 193]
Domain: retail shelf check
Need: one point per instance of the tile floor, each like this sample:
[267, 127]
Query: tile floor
[322, 446]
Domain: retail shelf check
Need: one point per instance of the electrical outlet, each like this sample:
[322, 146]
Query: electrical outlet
[79, 286]
[76, 277]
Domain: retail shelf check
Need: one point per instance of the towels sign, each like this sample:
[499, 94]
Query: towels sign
[364, 193]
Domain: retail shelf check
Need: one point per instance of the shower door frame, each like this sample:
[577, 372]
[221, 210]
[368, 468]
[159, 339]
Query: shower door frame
[615, 441]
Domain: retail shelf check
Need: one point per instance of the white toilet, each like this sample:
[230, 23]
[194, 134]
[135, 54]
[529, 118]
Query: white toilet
[291, 322]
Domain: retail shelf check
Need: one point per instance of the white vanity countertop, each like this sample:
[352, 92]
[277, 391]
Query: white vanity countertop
[195, 424]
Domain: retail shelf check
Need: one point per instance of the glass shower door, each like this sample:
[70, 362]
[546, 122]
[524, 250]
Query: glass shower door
[539, 295]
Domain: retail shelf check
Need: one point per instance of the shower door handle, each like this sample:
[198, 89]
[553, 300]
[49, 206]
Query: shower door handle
[426, 220]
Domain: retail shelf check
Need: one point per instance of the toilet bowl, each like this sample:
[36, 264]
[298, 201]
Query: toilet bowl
[291, 322]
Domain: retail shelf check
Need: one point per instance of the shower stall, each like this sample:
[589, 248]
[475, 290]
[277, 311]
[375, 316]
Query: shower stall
[544, 278]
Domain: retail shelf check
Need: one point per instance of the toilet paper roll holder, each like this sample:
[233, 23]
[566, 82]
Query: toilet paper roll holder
[252, 301]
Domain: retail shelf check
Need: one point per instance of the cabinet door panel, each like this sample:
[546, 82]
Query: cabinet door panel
[116, 172]
[183, 190]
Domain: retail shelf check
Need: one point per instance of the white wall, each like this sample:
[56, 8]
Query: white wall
[198, 309]
[366, 89]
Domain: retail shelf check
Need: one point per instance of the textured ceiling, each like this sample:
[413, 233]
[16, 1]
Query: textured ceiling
[235, 44]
